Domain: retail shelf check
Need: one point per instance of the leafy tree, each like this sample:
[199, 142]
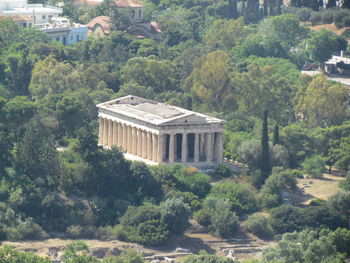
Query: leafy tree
[345, 184]
[10, 255]
[322, 103]
[305, 246]
[314, 166]
[322, 45]
[262, 86]
[225, 34]
[241, 198]
[210, 80]
[341, 202]
[159, 75]
[175, 214]
[258, 225]
[206, 259]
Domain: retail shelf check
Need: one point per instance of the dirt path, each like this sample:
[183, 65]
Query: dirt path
[195, 239]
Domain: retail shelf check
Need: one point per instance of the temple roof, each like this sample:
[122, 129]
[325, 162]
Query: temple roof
[127, 3]
[155, 112]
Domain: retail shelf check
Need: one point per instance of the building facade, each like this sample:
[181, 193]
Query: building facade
[40, 14]
[159, 133]
[62, 30]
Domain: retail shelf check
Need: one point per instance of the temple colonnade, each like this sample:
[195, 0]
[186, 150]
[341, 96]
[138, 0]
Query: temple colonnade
[162, 146]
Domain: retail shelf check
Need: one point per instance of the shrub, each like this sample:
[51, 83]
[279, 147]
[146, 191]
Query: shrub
[224, 223]
[203, 216]
[259, 226]
[175, 214]
[240, 197]
[345, 184]
[222, 170]
[314, 166]
[111, 232]
[304, 14]
[315, 18]
[78, 231]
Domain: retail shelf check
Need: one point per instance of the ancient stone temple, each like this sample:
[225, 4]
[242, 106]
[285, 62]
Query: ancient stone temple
[157, 133]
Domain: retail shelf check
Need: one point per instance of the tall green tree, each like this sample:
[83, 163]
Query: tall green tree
[265, 167]
[276, 135]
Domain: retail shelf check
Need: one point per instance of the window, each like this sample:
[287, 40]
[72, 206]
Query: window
[64, 41]
[71, 38]
[132, 13]
[140, 13]
[77, 38]
[24, 25]
[43, 17]
[57, 39]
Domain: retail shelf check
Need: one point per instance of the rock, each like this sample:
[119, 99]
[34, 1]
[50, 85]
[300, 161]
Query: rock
[99, 252]
[113, 252]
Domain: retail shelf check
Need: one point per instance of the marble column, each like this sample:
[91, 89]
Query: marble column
[196, 147]
[110, 133]
[144, 144]
[129, 147]
[100, 135]
[149, 146]
[184, 148]
[115, 133]
[105, 131]
[120, 134]
[172, 148]
[154, 150]
[134, 140]
[125, 136]
[220, 143]
[209, 147]
[139, 142]
[160, 148]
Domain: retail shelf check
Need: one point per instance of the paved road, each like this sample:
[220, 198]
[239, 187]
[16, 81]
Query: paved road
[342, 79]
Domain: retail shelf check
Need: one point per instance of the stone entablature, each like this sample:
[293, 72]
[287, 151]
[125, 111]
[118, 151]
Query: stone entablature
[160, 133]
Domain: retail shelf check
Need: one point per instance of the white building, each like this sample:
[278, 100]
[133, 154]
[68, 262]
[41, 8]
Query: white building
[158, 133]
[62, 30]
[41, 14]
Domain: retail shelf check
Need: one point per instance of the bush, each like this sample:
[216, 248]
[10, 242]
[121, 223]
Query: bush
[222, 170]
[345, 184]
[314, 166]
[78, 231]
[259, 226]
[203, 216]
[304, 14]
[111, 232]
[315, 18]
[224, 223]
[240, 197]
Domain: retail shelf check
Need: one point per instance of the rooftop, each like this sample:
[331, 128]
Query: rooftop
[154, 112]
[127, 3]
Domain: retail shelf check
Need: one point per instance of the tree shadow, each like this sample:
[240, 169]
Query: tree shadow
[193, 244]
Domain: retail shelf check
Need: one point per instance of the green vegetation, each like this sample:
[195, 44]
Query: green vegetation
[231, 59]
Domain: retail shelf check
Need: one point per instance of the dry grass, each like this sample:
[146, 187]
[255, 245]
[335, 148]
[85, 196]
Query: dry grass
[313, 188]
[330, 27]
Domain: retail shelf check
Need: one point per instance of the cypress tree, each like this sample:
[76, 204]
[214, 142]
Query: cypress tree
[266, 4]
[276, 135]
[233, 12]
[265, 166]
[278, 7]
[346, 4]
[331, 4]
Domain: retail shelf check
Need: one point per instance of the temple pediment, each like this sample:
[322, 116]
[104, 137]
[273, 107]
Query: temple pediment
[189, 119]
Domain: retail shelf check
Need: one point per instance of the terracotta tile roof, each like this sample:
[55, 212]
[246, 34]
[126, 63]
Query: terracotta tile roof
[103, 21]
[87, 2]
[18, 18]
[127, 3]
[155, 27]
